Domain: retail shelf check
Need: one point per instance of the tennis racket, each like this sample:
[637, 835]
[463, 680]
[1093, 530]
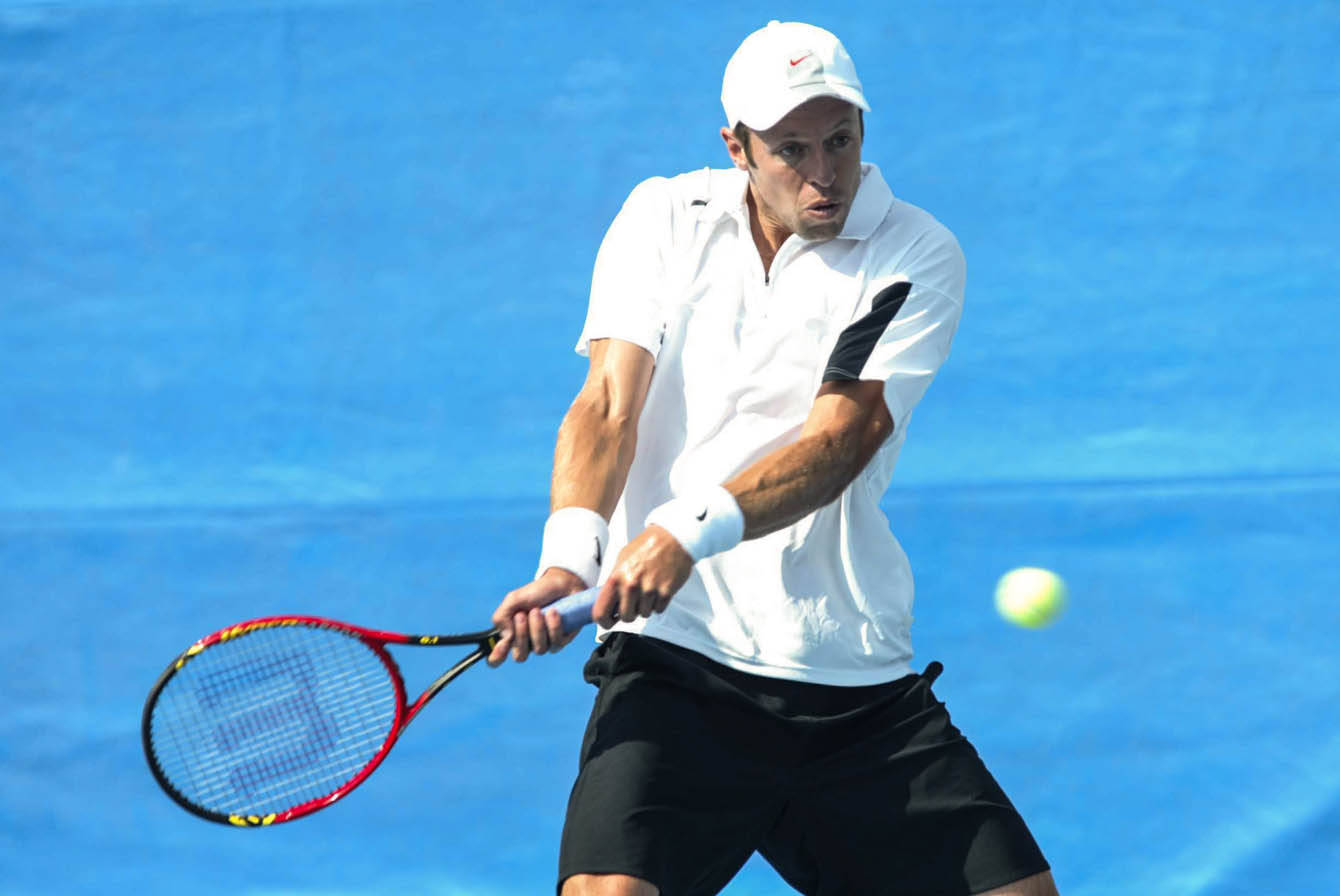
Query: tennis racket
[273, 719]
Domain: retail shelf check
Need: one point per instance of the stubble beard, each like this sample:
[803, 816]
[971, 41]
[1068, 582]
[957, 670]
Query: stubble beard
[820, 232]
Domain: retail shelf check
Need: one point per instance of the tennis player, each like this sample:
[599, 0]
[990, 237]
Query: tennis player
[758, 337]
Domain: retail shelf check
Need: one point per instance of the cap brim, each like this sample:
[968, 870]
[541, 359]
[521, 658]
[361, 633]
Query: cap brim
[798, 97]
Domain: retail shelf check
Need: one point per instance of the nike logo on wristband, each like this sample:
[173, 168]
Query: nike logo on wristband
[702, 516]
[597, 552]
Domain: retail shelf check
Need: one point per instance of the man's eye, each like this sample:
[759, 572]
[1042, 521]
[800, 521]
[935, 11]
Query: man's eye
[839, 142]
[789, 150]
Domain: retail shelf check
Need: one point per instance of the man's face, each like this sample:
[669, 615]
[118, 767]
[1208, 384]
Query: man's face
[806, 168]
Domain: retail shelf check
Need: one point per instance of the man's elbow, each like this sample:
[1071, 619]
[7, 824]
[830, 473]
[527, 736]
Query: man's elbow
[878, 429]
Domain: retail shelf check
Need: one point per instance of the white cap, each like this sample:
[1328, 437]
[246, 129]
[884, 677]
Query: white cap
[781, 66]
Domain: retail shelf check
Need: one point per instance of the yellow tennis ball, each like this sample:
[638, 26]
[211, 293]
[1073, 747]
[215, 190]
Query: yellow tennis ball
[1030, 596]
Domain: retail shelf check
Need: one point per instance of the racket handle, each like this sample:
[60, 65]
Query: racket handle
[575, 609]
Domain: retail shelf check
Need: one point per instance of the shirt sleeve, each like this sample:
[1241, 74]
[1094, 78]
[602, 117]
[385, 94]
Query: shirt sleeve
[907, 327]
[629, 270]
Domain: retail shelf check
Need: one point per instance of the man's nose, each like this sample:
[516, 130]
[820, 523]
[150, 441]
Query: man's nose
[822, 171]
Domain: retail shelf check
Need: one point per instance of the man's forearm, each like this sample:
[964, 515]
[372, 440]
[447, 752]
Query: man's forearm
[592, 456]
[792, 482]
[845, 430]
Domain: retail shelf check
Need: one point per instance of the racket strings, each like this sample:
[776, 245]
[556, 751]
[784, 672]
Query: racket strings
[273, 719]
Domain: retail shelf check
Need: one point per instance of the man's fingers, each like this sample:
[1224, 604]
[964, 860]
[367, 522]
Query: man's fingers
[498, 655]
[652, 601]
[520, 638]
[539, 632]
[630, 601]
[637, 602]
[558, 639]
[514, 602]
[627, 600]
[605, 609]
[521, 618]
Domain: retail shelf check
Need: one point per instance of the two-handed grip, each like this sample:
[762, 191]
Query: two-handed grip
[575, 609]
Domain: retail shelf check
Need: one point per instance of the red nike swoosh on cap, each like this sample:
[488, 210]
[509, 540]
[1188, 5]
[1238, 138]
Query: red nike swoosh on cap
[801, 59]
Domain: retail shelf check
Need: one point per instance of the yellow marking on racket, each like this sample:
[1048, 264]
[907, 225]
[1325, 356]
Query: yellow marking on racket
[251, 821]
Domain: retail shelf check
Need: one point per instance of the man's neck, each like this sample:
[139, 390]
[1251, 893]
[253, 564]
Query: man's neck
[768, 236]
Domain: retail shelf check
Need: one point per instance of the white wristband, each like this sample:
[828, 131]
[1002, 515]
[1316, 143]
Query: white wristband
[704, 522]
[575, 540]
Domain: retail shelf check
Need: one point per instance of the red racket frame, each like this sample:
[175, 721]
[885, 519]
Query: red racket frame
[376, 640]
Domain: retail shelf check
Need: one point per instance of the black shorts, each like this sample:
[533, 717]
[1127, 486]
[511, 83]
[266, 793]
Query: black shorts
[688, 767]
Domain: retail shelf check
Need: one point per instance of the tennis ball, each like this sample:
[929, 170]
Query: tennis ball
[1030, 596]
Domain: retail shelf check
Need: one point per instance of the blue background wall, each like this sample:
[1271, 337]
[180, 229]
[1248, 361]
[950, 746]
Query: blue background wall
[287, 297]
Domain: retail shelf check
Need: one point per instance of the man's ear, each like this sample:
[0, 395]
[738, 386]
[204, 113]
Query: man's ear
[736, 149]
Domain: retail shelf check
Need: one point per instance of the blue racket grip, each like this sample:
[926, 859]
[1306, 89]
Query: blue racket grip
[575, 609]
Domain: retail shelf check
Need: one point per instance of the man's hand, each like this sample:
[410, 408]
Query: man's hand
[526, 627]
[647, 573]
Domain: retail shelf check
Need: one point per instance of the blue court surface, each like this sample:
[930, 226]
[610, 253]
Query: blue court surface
[287, 298]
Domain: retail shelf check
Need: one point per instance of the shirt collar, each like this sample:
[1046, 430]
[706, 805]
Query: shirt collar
[871, 205]
[728, 189]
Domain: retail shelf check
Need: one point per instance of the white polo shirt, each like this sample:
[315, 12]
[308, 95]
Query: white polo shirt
[740, 357]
